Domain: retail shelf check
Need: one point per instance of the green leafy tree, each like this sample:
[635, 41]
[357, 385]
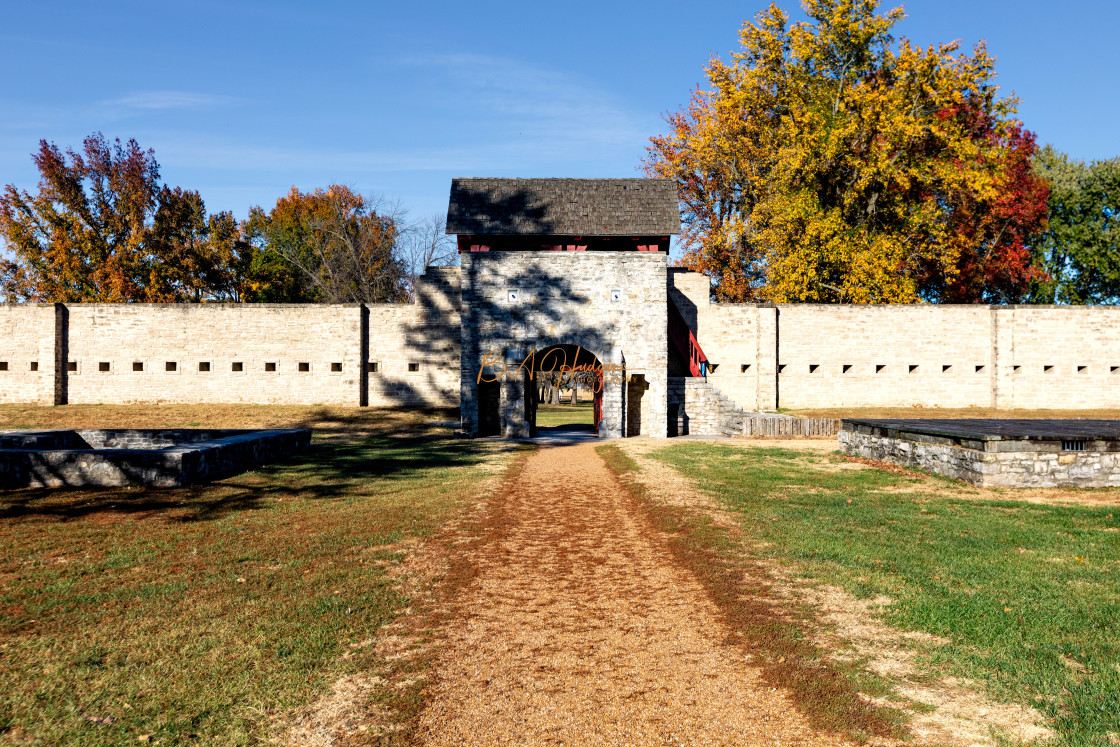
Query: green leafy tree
[1080, 249]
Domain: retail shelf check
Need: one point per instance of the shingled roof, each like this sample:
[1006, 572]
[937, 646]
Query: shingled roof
[564, 207]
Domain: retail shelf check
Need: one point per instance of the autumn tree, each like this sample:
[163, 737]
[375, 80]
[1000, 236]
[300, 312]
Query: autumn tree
[342, 246]
[826, 163]
[103, 228]
[1080, 249]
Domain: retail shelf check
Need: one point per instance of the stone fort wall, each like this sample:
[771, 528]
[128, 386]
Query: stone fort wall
[305, 354]
[766, 356]
[814, 355]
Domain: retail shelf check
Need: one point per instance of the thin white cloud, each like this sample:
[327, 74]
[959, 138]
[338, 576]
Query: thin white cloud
[158, 100]
[535, 102]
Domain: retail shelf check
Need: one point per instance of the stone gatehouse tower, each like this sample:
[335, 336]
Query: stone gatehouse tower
[576, 263]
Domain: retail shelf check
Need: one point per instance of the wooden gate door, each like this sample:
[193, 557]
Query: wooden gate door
[598, 399]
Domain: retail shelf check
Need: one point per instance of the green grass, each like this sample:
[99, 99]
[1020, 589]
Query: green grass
[1027, 594]
[206, 615]
[581, 414]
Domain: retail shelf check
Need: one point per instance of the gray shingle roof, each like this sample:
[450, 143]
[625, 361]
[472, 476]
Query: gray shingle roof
[564, 207]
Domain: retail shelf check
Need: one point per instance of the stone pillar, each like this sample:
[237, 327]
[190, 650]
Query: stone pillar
[766, 357]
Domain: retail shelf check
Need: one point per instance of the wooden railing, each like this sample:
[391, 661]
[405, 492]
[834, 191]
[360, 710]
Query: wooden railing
[685, 342]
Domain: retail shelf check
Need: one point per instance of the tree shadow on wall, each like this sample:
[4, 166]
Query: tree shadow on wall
[332, 470]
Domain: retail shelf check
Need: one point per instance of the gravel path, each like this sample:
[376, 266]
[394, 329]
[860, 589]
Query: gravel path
[581, 630]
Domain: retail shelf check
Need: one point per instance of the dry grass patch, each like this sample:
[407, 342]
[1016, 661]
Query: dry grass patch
[227, 613]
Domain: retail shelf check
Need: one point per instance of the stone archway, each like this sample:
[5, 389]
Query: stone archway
[570, 361]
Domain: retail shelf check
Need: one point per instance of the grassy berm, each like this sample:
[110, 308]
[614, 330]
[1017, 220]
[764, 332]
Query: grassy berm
[208, 615]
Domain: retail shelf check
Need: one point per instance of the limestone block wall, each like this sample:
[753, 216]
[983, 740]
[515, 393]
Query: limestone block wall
[1058, 356]
[415, 347]
[215, 353]
[814, 355]
[305, 354]
[517, 302]
[29, 352]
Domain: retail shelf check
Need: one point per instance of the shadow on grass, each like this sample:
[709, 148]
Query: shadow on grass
[333, 469]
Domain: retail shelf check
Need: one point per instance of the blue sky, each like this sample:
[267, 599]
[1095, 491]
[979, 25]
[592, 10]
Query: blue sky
[243, 100]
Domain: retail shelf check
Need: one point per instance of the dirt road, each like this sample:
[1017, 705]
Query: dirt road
[581, 630]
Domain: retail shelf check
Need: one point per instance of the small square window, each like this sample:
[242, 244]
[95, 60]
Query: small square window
[204, 366]
[781, 367]
[979, 369]
[847, 367]
[1114, 369]
[304, 367]
[1082, 369]
[946, 368]
[913, 368]
[237, 367]
[1047, 369]
[3, 365]
[103, 366]
[813, 367]
[137, 365]
[270, 367]
[371, 367]
[34, 365]
[880, 367]
[744, 368]
[413, 367]
[336, 368]
[72, 366]
[1016, 368]
[170, 366]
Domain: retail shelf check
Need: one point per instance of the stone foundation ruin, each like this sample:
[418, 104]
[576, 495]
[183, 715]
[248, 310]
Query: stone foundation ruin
[163, 458]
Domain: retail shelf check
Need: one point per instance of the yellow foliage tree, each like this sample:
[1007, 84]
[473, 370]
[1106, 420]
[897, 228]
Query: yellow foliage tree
[824, 163]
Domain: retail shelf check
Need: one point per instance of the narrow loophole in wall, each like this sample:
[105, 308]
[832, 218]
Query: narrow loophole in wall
[371, 367]
[813, 367]
[979, 369]
[413, 367]
[846, 368]
[270, 367]
[1082, 369]
[204, 366]
[103, 366]
[3, 365]
[1016, 368]
[237, 367]
[1111, 369]
[304, 367]
[336, 368]
[781, 367]
[1047, 369]
[170, 366]
[913, 368]
[880, 367]
[34, 365]
[946, 368]
[744, 368]
[137, 365]
[72, 366]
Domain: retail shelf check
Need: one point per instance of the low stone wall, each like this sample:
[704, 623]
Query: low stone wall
[155, 458]
[1038, 464]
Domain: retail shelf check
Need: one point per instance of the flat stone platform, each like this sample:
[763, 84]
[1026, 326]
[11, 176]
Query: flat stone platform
[994, 452]
[153, 457]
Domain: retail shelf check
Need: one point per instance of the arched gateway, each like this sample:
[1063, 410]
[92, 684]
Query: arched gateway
[563, 262]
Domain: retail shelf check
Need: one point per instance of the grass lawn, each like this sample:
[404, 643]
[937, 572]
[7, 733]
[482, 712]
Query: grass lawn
[579, 414]
[207, 615]
[1027, 593]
